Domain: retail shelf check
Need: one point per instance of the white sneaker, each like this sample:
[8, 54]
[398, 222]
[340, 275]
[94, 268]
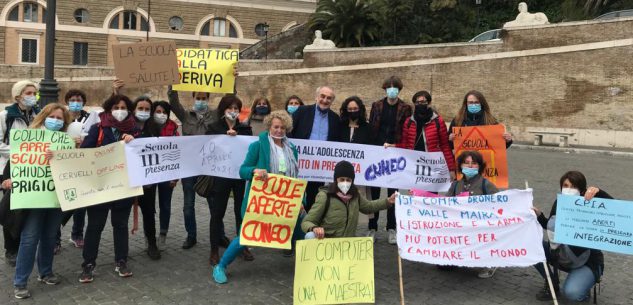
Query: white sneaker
[486, 273]
[372, 234]
[392, 237]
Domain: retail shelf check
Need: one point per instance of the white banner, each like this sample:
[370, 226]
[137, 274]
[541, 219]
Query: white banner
[498, 230]
[153, 160]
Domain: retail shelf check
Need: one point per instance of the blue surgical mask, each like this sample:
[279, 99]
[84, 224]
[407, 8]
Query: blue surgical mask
[200, 105]
[474, 108]
[142, 115]
[261, 110]
[392, 92]
[30, 100]
[292, 109]
[53, 124]
[75, 106]
[470, 172]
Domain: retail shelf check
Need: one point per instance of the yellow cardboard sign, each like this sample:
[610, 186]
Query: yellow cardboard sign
[90, 176]
[206, 70]
[272, 211]
[334, 271]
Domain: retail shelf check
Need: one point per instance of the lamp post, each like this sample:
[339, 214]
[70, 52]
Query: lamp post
[265, 28]
[478, 3]
[49, 89]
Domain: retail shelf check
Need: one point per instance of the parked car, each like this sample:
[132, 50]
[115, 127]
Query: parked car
[492, 35]
[616, 14]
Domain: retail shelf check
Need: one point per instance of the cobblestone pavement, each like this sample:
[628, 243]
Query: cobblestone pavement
[183, 276]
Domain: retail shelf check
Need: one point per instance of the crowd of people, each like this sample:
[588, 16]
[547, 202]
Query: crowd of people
[328, 211]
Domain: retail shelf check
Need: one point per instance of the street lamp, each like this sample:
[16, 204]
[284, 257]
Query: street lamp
[49, 89]
[265, 28]
[478, 3]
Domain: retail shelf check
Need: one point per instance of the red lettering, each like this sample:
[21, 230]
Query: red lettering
[266, 232]
[278, 187]
[32, 159]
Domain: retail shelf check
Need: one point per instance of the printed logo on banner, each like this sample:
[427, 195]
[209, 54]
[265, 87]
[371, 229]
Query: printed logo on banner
[70, 194]
[425, 168]
[385, 168]
[152, 155]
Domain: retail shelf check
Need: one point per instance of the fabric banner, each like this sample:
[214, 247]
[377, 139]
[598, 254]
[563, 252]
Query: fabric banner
[32, 185]
[599, 223]
[334, 271]
[498, 230]
[272, 210]
[153, 160]
[488, 140]
[207, 70]
[90, 176]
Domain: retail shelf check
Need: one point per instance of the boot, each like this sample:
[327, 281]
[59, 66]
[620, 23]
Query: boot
[152, 249]
[214, 257]
[545, 294]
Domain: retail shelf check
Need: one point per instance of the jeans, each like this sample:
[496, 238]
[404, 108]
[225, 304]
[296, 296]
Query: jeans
[147, 203]
[97, 216]
[38, 236]
[217, 206]
[391, 211]
[189, 206]
[79, 219]
[312, 189]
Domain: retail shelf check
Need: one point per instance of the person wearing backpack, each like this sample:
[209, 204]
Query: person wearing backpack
[471, 164]
[584, 266]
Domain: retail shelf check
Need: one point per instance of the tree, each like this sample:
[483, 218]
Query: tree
[349, 23]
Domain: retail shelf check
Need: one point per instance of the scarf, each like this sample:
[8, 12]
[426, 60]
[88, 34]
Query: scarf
[345, 198]
[292, 167]
[126, 126]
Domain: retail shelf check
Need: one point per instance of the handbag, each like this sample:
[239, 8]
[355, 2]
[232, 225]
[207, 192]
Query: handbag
[204, 186]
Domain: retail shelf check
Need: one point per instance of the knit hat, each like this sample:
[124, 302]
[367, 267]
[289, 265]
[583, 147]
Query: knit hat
[344, 169]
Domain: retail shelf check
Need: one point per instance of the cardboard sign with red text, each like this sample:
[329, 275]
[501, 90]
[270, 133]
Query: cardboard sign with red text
[487, 140]
[272, 211]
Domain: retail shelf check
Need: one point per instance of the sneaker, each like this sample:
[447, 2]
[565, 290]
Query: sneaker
[78, 242]
[58, 248]
[10, 258]
[21, 293]
[189, 243]
[162, 239]
[219, 275]
[122, 269]
[153, 252]
[545, 294]
[372, 234]
[87, 274]
[392, 237]
[486, 273]
[50, 279]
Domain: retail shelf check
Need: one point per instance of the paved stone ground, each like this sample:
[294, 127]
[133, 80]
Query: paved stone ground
[183, 276]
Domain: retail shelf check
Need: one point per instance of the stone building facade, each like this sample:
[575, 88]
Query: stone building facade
[87, 28]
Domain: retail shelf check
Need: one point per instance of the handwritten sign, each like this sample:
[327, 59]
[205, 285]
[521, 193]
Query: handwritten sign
[334, 271]
[498, 230]
[32, 185]
[146, 63]
[90, 176]
[272, 211]
[488, 140]
[603, 224]
[207, 70]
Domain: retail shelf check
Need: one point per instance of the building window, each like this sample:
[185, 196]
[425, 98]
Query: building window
[80, 54]
[30, 12]
[29, 51]
[14, 15]
[176, 23]
[128, 20]
[220, 26]
[82, 16]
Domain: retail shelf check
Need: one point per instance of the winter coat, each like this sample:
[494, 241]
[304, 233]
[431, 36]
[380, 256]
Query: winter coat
[434, 139]
[375, 116]
[17, 119]
[192, 125]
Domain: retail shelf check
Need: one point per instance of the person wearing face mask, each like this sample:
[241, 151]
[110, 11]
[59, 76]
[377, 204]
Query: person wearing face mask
[229, 110]
[475, 112]
[587, 265]
[425, 130]
[259, 110]
[337, 206]
[292, 104]
[386, 119]
[471, 164]
[39, 232]
[194, 122]
[116, 123]
[272, 153]
[354, 126]
[17, 116]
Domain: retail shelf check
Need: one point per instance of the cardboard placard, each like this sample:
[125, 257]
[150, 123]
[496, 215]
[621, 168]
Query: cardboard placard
[146, 64]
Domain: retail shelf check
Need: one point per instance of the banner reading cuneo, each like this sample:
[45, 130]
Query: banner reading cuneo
[207, 70]
[334, 271]
[488, 140]
[90, 176]
[272, 211]
[32, 184]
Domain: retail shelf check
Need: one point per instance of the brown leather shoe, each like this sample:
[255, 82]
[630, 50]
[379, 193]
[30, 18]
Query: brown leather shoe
[224, 242]
[214, 258]
[247, 255]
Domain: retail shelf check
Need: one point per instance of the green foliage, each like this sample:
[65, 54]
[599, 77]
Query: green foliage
[349, 23]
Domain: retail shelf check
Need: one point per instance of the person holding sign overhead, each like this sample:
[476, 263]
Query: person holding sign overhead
[39, 233]
[584, 266]
[272, 153]
[335, 211]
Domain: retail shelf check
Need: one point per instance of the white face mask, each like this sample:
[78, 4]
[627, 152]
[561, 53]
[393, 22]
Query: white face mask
[160, 118]
[119, 115]
[232, 115]
[344, 187]
[570, 191]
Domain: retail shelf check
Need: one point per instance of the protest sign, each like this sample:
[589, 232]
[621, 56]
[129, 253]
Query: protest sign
[207, 70]
[90, 176]
[498, 230]
[32, 185]
[153, 160]
[146, 63]
[603, 224]
[487, 140]
[334, 271]
[272, 210]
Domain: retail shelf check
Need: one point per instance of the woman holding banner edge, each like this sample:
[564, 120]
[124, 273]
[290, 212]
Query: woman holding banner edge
[272, 153]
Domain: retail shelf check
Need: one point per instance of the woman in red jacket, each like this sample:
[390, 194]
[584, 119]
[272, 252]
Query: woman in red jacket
[425, 130]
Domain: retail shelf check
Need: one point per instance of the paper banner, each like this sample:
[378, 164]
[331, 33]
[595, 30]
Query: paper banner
[146, 63]
[489, 141]
[207, 70]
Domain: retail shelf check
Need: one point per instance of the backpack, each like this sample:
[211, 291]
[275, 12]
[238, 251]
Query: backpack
[562, 254]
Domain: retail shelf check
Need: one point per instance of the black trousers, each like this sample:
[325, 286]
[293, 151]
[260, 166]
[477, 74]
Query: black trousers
[311, 191]
[217, 207]
[11, 244]
[97, 217]
[391, 211]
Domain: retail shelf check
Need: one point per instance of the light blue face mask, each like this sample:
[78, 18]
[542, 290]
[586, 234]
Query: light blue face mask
[392, 92]
[474, 108]
[142, 115]
[75, 106]
[53, 124]
[30, 100]
[200, 105]
[470, 172]
[292, 109]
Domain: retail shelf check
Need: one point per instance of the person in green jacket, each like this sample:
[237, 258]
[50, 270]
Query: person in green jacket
[335, 210]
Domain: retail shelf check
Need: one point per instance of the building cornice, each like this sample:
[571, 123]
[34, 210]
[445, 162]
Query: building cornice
[299, 6]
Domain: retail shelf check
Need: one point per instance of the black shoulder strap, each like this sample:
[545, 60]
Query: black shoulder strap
[437, 126]
[483, 186]
[9, 123]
